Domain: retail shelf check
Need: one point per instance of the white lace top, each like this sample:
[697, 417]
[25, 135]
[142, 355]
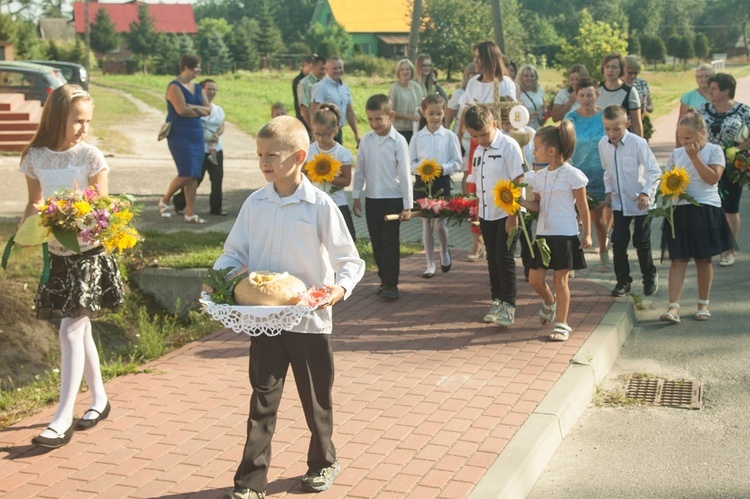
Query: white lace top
[57, 170]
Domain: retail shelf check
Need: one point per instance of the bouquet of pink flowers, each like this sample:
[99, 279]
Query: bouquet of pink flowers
[456, 209]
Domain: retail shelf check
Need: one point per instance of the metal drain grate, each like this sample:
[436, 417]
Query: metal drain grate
[684, 394]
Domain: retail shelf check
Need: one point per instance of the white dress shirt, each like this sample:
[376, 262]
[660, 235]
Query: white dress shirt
[442, 146]
[501, 160]
[383, 165]
[630, 169]
[303, 234]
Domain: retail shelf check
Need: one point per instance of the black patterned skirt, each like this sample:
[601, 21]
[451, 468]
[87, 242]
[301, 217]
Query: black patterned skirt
[566, 253]
[87, 284]
[441, 185]
[700, 232]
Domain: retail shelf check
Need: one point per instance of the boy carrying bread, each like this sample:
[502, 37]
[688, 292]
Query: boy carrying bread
[291, 226]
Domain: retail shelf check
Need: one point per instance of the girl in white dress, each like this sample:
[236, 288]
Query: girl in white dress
[81, 286]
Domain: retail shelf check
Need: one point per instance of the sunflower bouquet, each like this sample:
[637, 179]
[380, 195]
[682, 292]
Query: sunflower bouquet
[673, 189]
[428, 171]
[322, 169]
[508, 197]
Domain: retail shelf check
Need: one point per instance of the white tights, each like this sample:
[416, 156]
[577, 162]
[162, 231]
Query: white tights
[79, 358]
[439, 226]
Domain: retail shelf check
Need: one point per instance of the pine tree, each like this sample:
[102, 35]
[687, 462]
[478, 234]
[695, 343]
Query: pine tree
[104, 37]
[167, 54]
[142, 37]
[268, 39]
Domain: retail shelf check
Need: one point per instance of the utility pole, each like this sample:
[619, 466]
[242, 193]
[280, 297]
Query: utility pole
[416, 21]
[86, 34]
[497, 22]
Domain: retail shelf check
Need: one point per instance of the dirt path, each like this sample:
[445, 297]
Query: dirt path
[146, 172]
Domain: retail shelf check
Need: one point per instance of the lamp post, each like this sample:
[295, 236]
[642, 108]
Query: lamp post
[86, 34]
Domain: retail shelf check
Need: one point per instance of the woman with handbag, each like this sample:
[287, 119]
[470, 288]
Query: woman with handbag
[185, 107]
[531, 94]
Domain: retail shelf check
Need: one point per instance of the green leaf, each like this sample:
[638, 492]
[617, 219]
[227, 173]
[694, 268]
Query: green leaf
[541, 243]
[32, 232]
[68, 238]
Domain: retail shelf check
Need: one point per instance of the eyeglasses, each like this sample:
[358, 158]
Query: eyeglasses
[632, 73]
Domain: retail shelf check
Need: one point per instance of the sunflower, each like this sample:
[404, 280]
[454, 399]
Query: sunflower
[674, 183]
[429, 170]
[323, 168]
[507, 193]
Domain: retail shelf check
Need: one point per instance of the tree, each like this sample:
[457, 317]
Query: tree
[451, 28]
[702, 46]
[653, 49]
[104, 37]
[167, 53]
[685, 50]
[595, 39]
[293, 18]
[268, 39]
[142, 37]
[216, 57]
[242, 50]
[673, 48]
[329, 40]
[542, 39]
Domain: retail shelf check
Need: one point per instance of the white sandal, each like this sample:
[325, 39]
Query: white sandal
[194, 219]
[703, 314]
[561, 332]
[547, 312]
[671, 317]
[164, 210]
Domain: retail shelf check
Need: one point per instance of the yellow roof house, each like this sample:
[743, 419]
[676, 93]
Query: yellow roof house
[378, 27]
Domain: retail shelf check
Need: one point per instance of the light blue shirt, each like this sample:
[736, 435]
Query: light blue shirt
[327, 90]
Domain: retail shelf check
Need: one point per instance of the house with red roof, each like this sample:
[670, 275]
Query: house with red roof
[168, 18]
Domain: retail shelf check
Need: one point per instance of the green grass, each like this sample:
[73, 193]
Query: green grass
[111, 109]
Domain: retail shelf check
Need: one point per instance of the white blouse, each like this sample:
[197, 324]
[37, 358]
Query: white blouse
[704, 193]
[442, 146]
[557, 212]
[340, 153]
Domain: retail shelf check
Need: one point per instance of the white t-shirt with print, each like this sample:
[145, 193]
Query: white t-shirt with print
[711, 154]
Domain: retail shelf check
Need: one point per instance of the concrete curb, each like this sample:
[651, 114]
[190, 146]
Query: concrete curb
[517, 468]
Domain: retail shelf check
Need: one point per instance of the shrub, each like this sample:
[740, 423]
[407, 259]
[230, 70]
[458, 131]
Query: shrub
[368, 65]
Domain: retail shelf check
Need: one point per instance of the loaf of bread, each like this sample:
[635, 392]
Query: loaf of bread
[269, 289]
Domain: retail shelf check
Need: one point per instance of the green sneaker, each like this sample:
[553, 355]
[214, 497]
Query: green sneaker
[318, 481]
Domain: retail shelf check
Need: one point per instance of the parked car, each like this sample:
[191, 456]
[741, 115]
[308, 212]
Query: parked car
[35, 83]
[58, 74]
[73, 73]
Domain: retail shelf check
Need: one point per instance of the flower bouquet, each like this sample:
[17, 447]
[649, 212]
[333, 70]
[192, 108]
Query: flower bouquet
[673, 189]
[322, 169]
[738, 165]
[76, 218]
[507, 196]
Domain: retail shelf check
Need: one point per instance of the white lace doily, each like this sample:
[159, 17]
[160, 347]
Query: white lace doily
[257, 320]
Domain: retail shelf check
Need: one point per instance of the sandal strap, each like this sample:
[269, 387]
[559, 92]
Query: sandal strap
[561, 326]
[703, 302]
[93, 410]
[674, 305]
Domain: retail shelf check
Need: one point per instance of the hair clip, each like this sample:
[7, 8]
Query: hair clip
[326, 108]
[79, 93]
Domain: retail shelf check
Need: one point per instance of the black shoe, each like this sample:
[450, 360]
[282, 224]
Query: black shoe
[428, 275]
[621, 290]
[54, 442]
[446, 268]
[390, 293]
[650, 288]
[85, 424]
[380, 289]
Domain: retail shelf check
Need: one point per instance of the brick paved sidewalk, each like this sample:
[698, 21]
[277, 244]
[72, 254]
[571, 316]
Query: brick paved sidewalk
[426, 397]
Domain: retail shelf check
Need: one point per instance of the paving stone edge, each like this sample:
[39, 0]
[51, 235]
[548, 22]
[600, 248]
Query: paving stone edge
[517, 468]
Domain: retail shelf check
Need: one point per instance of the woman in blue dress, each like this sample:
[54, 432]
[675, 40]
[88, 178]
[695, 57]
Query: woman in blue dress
[185, 107]
[587, 121]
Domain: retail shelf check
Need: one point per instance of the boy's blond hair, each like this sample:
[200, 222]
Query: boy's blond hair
[479, 116]
[615, 112]
[290, 133]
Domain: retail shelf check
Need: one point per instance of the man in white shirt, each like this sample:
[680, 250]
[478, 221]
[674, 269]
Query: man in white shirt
[332, 89]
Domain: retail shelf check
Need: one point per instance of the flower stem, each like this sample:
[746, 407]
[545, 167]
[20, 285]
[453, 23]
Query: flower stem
[526, 233]
[671, 218]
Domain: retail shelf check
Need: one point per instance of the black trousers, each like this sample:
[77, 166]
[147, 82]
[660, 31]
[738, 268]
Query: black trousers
[385, 236]
[311, 358]
[500, 260]
[215, 176]
[641, 242]
[347, 214]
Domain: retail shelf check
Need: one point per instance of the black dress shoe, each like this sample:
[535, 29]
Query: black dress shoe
[54, 442]
[85, 424]
[427, 275]
[446, 268]
[621, 290]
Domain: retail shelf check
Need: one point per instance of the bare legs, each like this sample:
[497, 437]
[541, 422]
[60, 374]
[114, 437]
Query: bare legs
[601, 218]
[734, 225]
[190, 186]
[705, 276]
[562, 291]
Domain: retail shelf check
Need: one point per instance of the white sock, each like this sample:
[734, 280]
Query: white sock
[442, 233]
[429, 243]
